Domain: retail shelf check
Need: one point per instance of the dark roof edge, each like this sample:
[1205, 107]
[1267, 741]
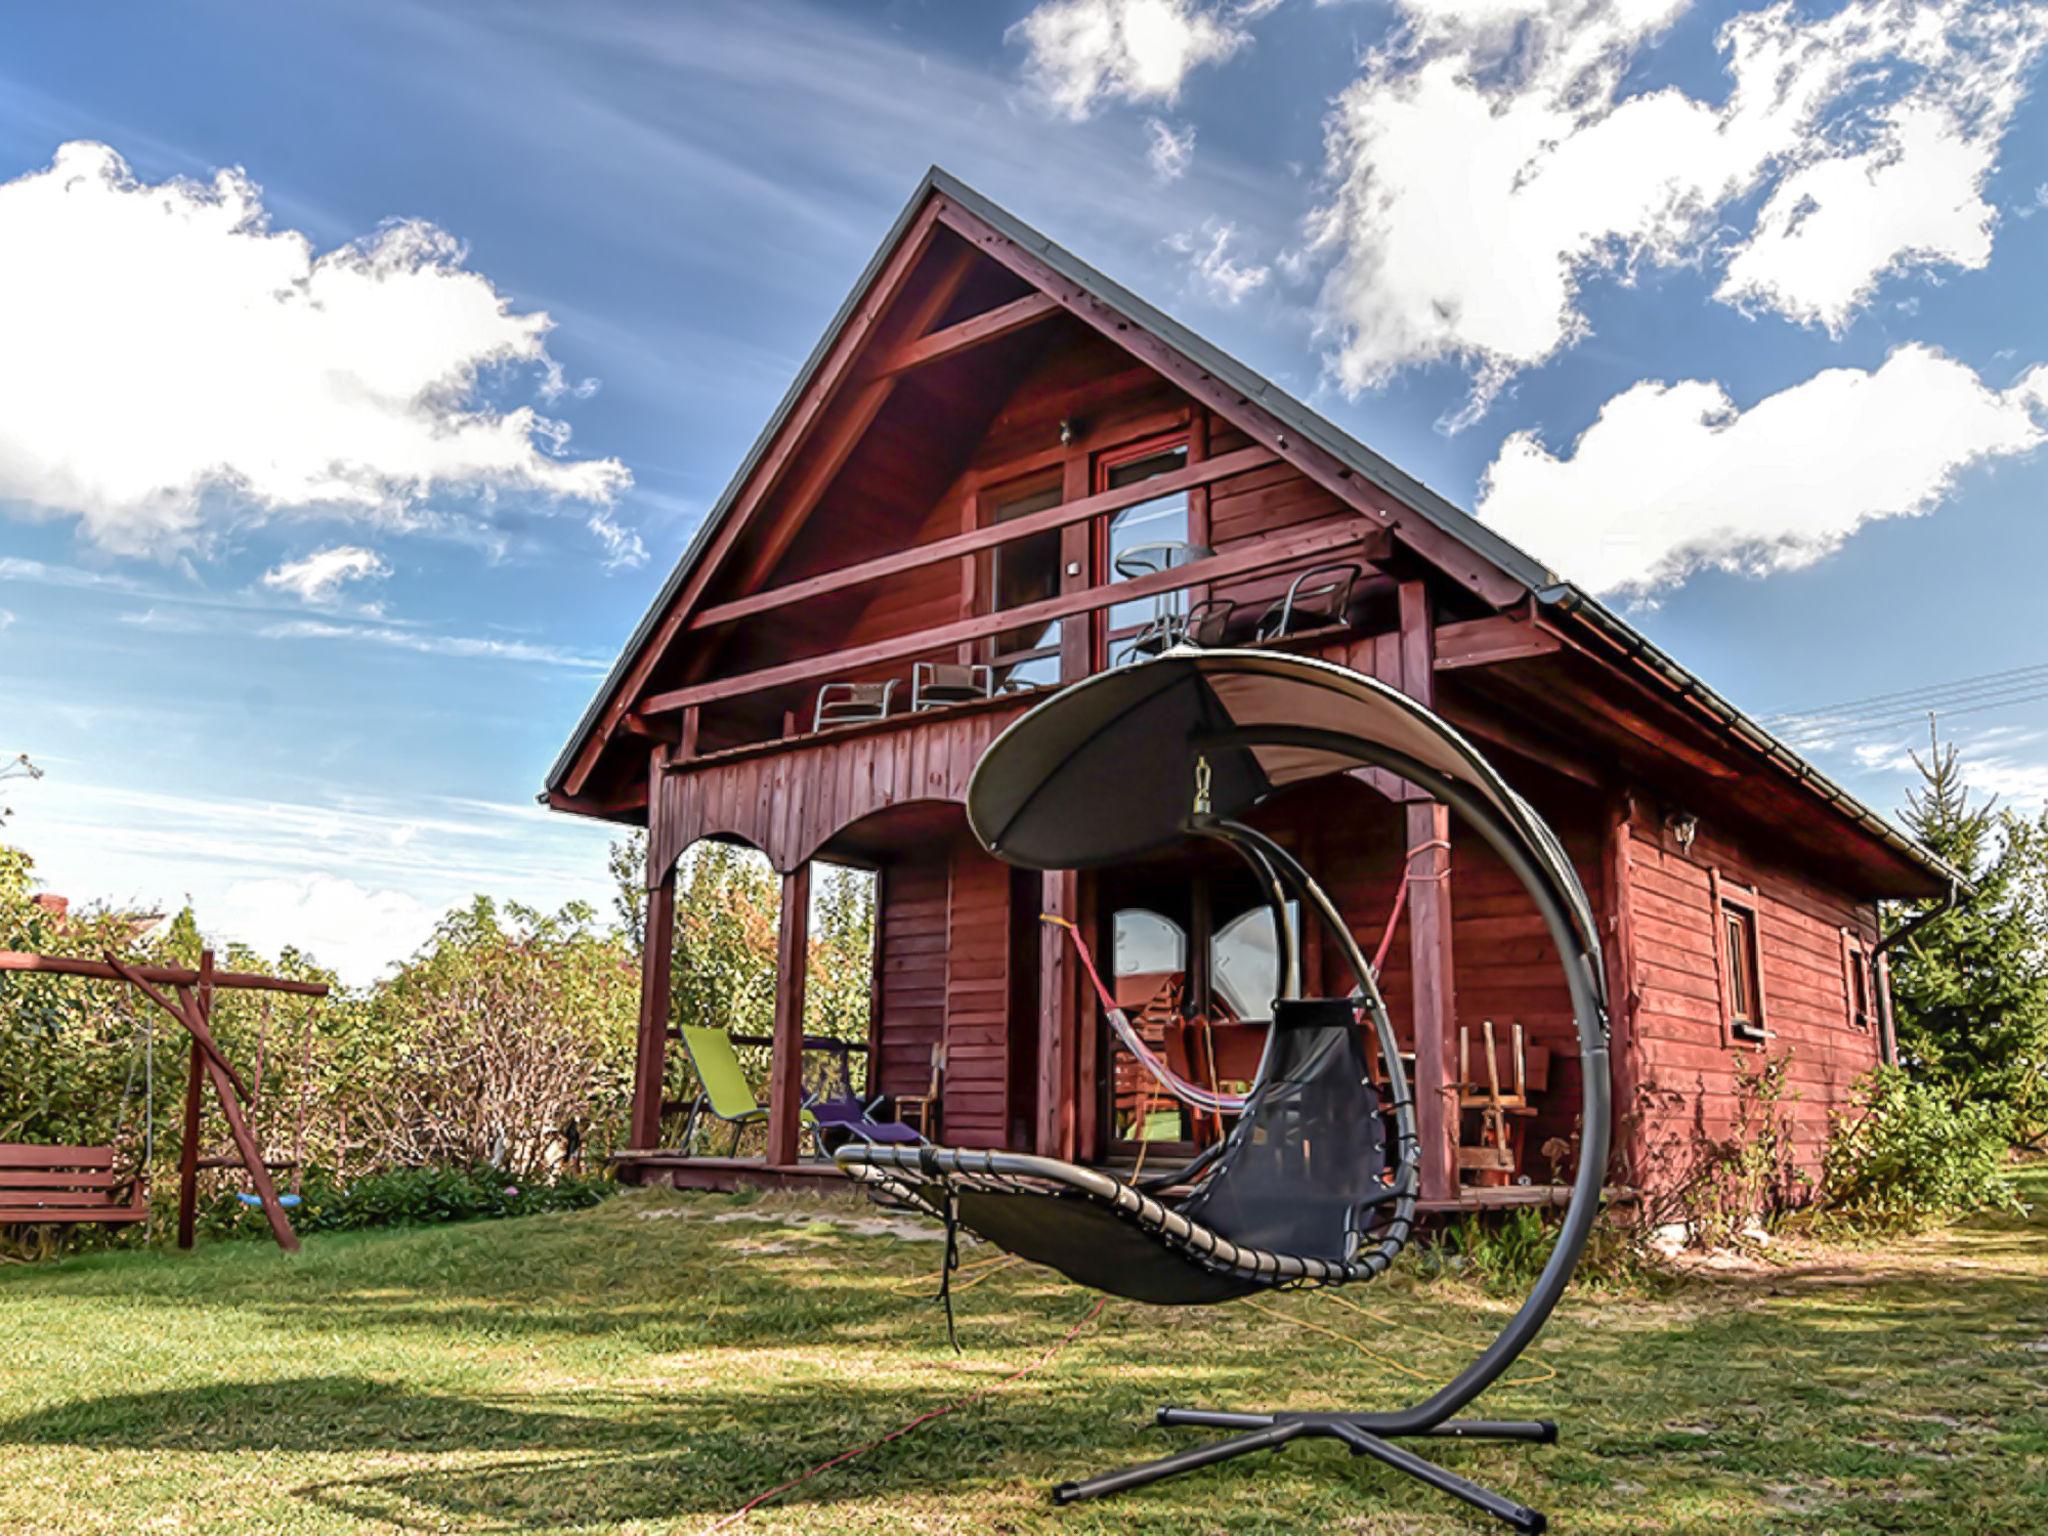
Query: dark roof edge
[1577, 603]
[1545, 584]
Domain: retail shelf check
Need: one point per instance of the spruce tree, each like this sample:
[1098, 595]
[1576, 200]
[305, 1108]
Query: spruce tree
[1970, 990]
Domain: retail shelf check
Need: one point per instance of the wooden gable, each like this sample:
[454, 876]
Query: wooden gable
[849, 545]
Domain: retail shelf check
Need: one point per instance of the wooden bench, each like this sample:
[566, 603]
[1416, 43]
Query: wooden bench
[67, 1184]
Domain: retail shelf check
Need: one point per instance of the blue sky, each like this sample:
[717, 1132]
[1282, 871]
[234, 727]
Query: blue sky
[1732, 313]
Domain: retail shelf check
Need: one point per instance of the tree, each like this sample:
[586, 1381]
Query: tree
[1970, 989]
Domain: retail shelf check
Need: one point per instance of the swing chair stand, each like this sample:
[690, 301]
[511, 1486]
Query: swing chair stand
[1364, 1433]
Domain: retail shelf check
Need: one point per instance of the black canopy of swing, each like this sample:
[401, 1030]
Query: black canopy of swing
[1316, 1182]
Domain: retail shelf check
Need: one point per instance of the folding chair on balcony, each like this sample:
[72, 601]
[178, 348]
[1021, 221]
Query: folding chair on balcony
[1316, 599]
[935, 684]
[845, 703]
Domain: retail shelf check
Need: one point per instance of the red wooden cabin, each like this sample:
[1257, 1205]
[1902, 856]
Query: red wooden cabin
[961, 475]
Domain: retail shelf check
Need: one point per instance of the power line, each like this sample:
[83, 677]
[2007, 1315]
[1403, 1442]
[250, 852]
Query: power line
[1929, 692]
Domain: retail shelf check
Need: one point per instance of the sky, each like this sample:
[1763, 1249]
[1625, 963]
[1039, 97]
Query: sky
[364, 370]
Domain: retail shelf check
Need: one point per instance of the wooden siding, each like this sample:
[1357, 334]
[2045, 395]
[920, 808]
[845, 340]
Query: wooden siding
[790, 800]
[1691, 1096]
[977, 1001]
[911, 952]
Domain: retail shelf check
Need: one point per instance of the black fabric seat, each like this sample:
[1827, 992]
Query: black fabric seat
[1299, 1193]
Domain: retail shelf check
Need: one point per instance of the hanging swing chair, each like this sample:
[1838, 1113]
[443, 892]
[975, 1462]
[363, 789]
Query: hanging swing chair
[1316, 1183]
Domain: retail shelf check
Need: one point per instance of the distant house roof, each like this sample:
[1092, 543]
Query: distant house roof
[1553, 592]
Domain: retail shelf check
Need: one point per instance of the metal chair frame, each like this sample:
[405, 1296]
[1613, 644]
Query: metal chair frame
[937, 684]
[1324, 591]
[848, 703]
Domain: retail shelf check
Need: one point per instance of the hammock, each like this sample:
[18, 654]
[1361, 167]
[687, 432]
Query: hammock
[1193, 1095]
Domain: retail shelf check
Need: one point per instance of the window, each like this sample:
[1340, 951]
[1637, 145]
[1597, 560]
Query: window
[1856, 979]
[1027, 571]
[1244, 961]
[1743, 982]
[1163, 520]
[1148, 944]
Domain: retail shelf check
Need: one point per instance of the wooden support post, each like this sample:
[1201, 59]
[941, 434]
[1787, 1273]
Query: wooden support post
[188, 1150]
[650, 1054]
[1618, 939]
[198, 1006]
[1057, 1017]
[786, 1074]
[1429, 925]
[1077, 571]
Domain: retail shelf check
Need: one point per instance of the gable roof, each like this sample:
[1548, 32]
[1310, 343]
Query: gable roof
[1563, 599]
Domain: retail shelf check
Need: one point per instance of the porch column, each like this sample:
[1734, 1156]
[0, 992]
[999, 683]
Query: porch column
[1429, 925]
[657, 952]
[1057, 1017]
[786, 1073]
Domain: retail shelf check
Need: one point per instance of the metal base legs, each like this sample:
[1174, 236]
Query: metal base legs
[1366, 1434]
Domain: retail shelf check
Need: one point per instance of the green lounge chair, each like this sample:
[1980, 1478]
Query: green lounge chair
[726, 1092]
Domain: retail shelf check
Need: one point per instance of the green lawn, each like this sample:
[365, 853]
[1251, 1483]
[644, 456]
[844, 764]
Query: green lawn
[648, 1367]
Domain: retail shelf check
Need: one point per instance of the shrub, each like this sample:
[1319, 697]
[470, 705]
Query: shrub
[408, 1197]
[1912, 1154]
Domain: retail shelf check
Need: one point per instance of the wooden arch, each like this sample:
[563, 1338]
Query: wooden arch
[790, 799]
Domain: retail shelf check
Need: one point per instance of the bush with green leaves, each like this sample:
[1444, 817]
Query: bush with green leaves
[407, 1197]
[1912, 1154]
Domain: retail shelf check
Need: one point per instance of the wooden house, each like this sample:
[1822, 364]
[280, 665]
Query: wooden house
[997, 458]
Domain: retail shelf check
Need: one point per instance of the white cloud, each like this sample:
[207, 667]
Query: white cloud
[355, 931]
[477, 647]
[1674, 478]
[624, 549]
[1169, 151]
[320, 576]
[1081, 53]
[255, 376]
[1217, 274]
[7, 617]
[1492, 157]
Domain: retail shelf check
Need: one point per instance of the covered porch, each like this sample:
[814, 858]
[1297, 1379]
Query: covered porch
[977, 1004]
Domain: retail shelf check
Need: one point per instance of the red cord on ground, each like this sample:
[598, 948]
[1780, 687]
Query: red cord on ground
[917, 1423]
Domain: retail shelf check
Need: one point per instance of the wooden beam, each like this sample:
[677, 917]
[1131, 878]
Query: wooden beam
[1058, 1015]
[657, 972]
[804, 414]
[1617, 880]
[166, 975]
[1242, 561]
[1433, 979]
[786, 1070]
[844, 432]
[1451, 555]
[1003, 320]
[1490, 641]
[188, 1150]
[996, 534]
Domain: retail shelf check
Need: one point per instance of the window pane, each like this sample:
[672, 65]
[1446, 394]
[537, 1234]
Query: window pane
[1148, 944]
[1160, 521]
[1244, 962]
[1027, 571]
[1743, 1001]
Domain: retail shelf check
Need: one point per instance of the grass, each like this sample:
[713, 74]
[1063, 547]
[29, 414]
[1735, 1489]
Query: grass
[650, 1365]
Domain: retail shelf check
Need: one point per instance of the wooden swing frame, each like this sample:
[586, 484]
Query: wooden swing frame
[189, 1001]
